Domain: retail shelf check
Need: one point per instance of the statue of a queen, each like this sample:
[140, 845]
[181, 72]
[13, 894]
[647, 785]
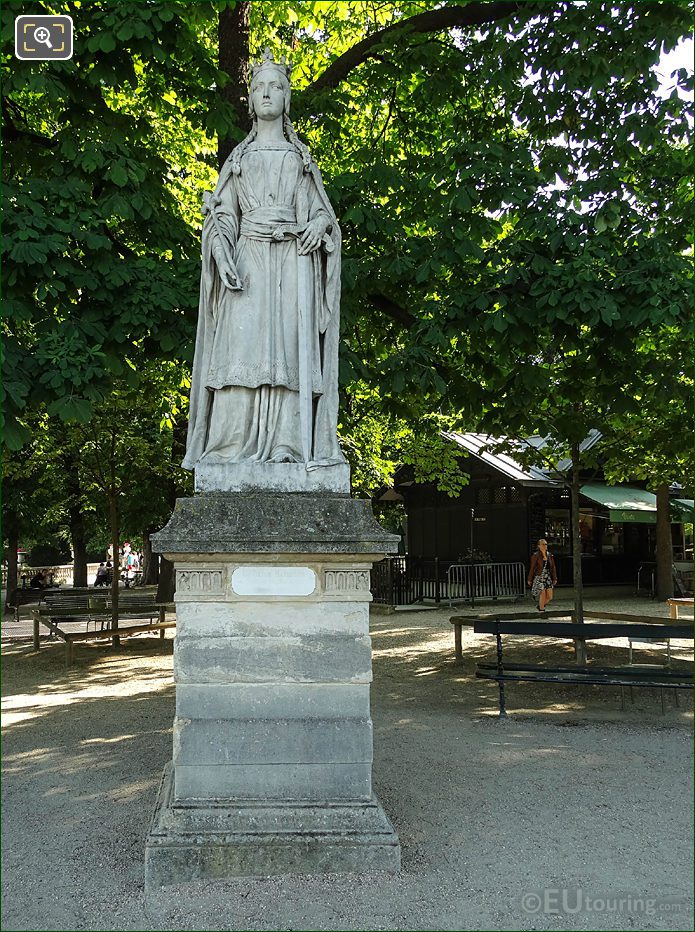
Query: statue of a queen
[265, 382]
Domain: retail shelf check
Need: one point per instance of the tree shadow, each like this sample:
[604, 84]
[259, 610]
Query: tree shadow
[94, 663]
[81, 774]
[414, 665]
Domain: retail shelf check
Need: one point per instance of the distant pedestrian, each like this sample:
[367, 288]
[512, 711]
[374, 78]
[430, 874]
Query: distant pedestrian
[542, 576]
[102, 576]
[131, 565]
[38, 581]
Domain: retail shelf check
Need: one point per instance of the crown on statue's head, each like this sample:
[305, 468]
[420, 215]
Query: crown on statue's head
[267, 61]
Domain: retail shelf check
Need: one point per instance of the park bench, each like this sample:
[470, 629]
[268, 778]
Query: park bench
[25, 596]
[59, 596]
[651, 676]
[96, 606]
[98, 611]
[468, 621]
[54, 596]
[123, 632]
[675, 604]
[76, 599]
[29, 596]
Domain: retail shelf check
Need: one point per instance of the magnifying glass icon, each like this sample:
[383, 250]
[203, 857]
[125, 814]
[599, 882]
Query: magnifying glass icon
[43, 35]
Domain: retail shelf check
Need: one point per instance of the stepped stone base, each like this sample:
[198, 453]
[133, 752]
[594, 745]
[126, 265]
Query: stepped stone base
[224, 838]
[272, 753]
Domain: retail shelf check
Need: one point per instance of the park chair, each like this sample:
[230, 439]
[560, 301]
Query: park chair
[650, 642]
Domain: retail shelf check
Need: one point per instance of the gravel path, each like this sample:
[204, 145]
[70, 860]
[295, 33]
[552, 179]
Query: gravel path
[496, 820]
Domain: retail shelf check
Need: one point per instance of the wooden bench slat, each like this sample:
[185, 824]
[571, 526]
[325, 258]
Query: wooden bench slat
[622, 616]
[588, 632]
[624, 680]
[537, 618]
[70, 637]
[133, 612]
[513, 616]
[646, 670]
[118, 632]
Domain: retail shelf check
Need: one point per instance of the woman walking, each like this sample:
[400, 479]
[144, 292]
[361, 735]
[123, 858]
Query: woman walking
[542, 576]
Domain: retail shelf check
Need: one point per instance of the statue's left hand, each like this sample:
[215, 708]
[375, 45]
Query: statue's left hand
[312, 236]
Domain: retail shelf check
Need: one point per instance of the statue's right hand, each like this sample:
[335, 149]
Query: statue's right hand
[230, 278]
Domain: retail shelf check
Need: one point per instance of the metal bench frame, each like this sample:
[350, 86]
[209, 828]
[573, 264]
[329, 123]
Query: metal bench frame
[654, 677]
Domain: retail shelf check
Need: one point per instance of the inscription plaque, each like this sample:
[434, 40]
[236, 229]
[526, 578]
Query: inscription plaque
[273, 580]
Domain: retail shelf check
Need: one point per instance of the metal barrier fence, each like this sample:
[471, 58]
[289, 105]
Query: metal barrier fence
[405, 580]
[471, 582]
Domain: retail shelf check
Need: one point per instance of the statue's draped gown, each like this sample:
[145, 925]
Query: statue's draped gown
[245, 393]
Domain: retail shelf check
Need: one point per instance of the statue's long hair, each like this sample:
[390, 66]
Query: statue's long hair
[291, 135]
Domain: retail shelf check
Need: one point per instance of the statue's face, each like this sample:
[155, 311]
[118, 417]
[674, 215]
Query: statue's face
[268, 96]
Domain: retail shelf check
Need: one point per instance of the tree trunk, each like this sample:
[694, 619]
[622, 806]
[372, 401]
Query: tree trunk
[579, 645]
[115, 530]
[166, 586]
[150, 561]
[233, 38]
[12, 531]
[167, 581]
[664, 545]
[79, 544]
[73, 498]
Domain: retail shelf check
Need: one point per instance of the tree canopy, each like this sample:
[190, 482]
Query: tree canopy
[514, 192]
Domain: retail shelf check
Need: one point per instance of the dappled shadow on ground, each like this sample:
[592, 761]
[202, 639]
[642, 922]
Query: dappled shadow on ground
[93, 692]
[84, 751]
[417, 654]
[94, 663]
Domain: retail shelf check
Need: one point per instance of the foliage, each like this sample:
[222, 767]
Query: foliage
[104, 165]
[513, 191]
[32, 489]
[375, 442]
[515, 203]
[128, 452]
[651, 443]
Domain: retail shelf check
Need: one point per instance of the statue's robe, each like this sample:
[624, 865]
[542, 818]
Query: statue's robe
[245, 391]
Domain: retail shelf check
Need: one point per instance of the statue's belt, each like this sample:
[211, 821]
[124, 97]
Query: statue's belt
[278, 231]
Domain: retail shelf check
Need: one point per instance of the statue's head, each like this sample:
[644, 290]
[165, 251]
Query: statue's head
[269, 91]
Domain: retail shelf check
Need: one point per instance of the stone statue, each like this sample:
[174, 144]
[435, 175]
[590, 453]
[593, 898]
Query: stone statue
[265, 380]
[271, 769]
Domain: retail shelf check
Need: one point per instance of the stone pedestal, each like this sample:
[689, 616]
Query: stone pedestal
[271, 769]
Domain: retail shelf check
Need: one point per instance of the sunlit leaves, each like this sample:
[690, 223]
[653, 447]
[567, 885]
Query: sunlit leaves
[515, 200]
[104, 182]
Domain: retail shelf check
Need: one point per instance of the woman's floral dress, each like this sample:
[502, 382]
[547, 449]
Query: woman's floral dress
[541, 581]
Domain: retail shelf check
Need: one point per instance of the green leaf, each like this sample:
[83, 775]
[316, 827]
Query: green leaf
[126, 30]
[15, 435]
[107, 42]
[77, 409]
[118, 174]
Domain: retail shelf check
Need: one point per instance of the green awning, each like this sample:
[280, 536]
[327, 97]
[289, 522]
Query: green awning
[623, 499]
[682, 509]
[626, 504]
